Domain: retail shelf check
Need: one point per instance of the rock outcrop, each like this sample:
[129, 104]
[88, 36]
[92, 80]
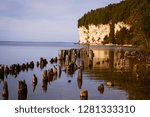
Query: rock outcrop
[95, 34]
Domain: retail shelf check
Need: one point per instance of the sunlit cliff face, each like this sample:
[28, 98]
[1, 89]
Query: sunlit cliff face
[96, 34]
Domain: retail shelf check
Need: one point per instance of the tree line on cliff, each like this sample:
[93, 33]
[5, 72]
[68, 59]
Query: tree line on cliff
[133, 12]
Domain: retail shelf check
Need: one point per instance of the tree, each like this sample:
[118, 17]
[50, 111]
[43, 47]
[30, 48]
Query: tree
[123, 36]
[112, 33]
[133, 12]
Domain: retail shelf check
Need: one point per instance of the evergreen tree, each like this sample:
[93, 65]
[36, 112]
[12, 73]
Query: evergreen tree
[133, 12]
[112, 34]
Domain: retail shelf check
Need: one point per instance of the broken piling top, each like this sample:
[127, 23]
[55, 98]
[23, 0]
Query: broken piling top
[83, 94]
[5, 91]
[34, 79]
[5, 86]
[61, 54]
[67, 60]
[110, 84]
[55, 70]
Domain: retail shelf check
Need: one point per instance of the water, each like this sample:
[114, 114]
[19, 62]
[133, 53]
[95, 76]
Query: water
[126, 84]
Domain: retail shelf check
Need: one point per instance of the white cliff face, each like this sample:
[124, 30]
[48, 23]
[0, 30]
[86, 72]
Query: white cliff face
[96, 34]
[121, 25]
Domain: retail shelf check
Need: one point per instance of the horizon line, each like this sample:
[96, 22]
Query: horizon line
[42, 41]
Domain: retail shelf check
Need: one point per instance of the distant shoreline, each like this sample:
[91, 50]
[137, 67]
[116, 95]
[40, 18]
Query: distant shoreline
[112, 45]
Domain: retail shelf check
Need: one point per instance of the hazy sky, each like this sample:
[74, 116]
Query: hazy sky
[44, 20]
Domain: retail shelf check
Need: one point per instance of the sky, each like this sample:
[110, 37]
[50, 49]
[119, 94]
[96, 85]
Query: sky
[44, 20]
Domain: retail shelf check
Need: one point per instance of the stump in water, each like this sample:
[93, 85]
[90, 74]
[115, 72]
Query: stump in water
[5, 90]
[22, 90]
[101, 88]
[83, 94]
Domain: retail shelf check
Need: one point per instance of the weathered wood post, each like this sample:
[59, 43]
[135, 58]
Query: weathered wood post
[5, 90]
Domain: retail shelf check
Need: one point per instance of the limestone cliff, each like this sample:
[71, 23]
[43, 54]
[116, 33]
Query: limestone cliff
[126, 22]
[95, 34]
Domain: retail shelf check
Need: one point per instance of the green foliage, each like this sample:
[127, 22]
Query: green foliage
[106, 40]
[123, 36]
[112, 34]
[133, 12]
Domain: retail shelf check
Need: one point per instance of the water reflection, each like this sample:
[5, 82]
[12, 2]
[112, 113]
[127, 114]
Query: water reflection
[94, 71]
[34, 82]
[117, 67]
[44, 85]
[79, 83]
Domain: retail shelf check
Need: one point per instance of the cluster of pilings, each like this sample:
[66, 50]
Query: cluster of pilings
[140, 58]
[41, 63]
[15, 69]
[67, 62]
[47, 75]
[139, 55]
[68, 57]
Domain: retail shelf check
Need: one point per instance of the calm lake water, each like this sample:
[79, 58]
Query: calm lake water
[126, 84]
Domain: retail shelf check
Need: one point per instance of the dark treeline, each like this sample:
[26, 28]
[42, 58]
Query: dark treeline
[133, 12]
